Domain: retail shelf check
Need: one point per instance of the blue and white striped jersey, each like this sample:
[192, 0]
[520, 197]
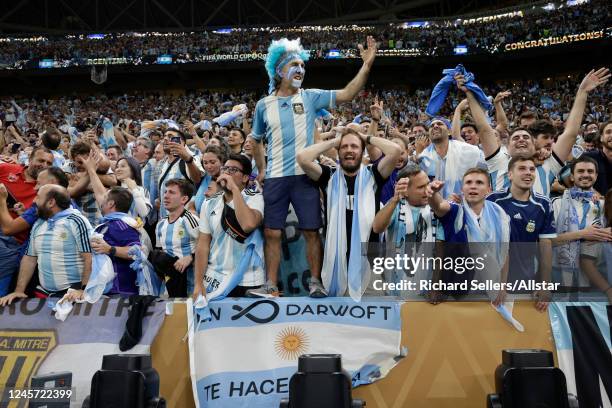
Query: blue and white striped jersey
[89, 207]
[178, 238]
[287, 124]
[58, 244]
[148, 181]
[174, 172]
[545, 174]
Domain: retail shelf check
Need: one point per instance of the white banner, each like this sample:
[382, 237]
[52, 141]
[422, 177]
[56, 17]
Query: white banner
[247, 354]
[33, 341]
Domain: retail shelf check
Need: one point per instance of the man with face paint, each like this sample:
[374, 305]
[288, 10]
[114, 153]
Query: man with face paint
[285, 119]
[522, 142]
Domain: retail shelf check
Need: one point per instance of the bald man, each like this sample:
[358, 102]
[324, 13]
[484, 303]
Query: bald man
[59, 245]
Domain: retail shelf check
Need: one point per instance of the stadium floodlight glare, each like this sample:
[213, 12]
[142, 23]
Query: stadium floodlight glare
[320, 382]
[528, 379]
[96, 36]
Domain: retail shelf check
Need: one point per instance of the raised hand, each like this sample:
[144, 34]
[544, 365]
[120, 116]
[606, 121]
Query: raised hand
[401, 188]
[434, 187]
[460, 80]
[594, 79]
[376, 110]
[421, 143]
[501, 96]
[463, 105]
[368, 54]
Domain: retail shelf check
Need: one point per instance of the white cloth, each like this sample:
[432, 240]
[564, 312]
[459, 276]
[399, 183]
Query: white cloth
[338, 274]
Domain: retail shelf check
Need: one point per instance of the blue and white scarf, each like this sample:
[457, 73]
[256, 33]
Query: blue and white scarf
[336, 274]
[102, 273]
[460, 157]
[491, 237]
[396, 235]
[199, 196]
[146, 279]
[566, 257]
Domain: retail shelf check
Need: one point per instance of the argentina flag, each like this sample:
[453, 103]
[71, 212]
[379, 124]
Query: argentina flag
[245, 356]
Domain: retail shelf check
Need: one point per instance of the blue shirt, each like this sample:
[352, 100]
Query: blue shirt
[118, 234]
[448, 225]
[30, 215]
[530, 221]
[287, 124]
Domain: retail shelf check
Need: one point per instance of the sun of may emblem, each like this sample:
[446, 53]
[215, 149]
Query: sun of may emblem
[291, 343]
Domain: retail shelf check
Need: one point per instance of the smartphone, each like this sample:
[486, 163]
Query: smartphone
[15, 148]
[175, 139]
[10, 200]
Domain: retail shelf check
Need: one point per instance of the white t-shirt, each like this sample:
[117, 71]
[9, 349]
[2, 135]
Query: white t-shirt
[225, 252]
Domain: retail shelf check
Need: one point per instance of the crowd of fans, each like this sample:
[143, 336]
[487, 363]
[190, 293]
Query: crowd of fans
[548, 98]
[436, 37]
[97, 191]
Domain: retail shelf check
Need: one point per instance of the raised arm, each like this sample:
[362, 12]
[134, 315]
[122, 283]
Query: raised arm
[306, 158]
[376, 113]
[439, 205]
[248, 218]
[456, 126]
[96, 184]
[383, 217]
[563, 147]
[190, 128]
[352, 88]
[488, 139]
[391, 151]
[120, 137]
[9, 225]
[500, 114]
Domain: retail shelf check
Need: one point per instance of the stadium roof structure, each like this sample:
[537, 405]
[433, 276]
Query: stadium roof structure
[60, 16]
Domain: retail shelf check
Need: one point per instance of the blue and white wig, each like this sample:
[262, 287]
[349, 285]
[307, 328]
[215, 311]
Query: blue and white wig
[280, 53]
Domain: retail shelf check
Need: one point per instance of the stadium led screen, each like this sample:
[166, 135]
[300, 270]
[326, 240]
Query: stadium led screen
[164, 59]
